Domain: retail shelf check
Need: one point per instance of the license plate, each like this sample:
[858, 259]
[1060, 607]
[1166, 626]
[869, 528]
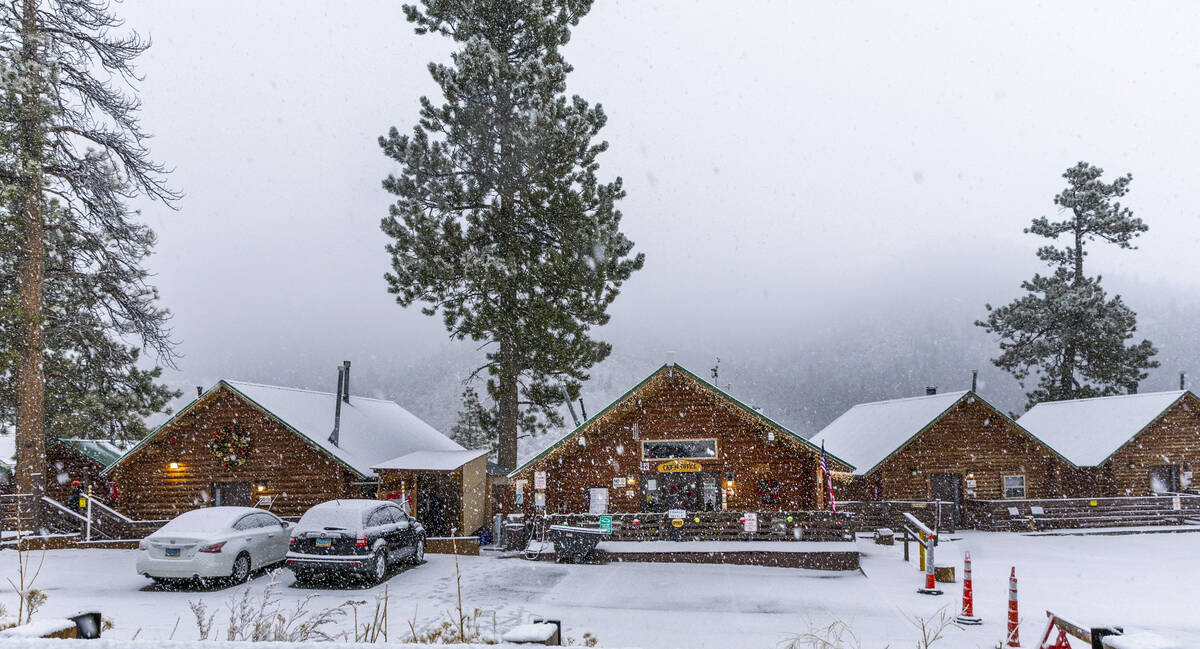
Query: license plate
[324, 543]
[172, 552]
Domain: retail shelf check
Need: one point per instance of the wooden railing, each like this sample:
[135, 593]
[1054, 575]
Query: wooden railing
[47, 517]
[719, 526]
[869, 515]
[1058, 513]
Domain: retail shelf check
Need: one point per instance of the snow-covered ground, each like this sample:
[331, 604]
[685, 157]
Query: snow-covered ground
[1142, 581]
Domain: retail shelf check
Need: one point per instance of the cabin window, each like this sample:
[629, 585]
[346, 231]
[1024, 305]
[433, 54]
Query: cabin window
[679, 449]
[1014, 486]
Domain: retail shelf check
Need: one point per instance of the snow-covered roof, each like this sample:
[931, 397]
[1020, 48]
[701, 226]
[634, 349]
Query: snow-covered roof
[431, 460]
[1088, 431]
[868, 433]
[102, 451]
[371, 431]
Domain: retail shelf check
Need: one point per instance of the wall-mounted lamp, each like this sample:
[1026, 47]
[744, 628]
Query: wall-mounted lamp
[1131, 464]
[912, 471]
[770, 436]
[173, 464]
[260, 486]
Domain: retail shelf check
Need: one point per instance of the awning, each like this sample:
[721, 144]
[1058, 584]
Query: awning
[431, 461]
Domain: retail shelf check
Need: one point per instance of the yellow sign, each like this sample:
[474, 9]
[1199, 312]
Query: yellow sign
[677, 522]
[679, 466]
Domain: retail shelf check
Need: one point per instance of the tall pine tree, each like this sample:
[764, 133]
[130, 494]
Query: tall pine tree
[1066, 330]
[476, 425]
[500, 223]
[73, 158]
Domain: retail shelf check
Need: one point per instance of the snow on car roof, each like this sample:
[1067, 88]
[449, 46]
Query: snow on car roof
[345, 513]
[1087, 431]
[205, 519]
[431, 460]
[868, 433]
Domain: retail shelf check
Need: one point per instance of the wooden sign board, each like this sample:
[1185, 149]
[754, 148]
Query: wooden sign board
[679, 466]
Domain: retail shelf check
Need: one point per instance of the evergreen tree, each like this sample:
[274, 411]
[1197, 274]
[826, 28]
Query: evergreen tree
[476, 426]
[500, 223]
[73, 157]
[1066, 330]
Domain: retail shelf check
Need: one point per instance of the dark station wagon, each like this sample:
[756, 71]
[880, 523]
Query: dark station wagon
[354, 538]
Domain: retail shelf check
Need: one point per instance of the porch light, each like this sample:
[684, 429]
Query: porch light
[173, 464]
[260, 486]
[1131, 464]
[912, 471]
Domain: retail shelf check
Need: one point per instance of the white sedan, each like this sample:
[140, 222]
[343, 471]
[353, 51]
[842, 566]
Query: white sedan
[214, 542]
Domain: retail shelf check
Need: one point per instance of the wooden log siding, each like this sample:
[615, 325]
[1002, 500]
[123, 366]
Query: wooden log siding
[677, 406]
[1171, 439]
[64, 465]
[971, 438]
[296, 473]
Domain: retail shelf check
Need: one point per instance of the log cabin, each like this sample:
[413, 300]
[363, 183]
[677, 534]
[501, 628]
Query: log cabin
[84, 460]
[284, 448]
[448, 490]
[1127, 445]
[674, 441]
[951, 447]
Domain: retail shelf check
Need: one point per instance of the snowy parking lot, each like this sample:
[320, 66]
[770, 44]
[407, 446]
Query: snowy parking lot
[1141, 581]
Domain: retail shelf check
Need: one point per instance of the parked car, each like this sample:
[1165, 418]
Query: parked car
[214, 542]
[354, 538]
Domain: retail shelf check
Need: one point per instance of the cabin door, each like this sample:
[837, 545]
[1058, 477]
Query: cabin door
[231, 494]
[1164, 479]
[947, 487]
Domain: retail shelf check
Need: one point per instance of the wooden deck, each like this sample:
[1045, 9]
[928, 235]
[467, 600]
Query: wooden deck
[833, 556]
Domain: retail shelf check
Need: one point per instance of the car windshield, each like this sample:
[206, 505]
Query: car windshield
[332, 517]
[201, 521]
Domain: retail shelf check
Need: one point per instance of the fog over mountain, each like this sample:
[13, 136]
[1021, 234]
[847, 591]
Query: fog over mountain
[827, 194]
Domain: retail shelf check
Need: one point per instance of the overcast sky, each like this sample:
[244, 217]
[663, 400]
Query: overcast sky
[782, 160]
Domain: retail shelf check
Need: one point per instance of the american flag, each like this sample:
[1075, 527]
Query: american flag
[828, 478]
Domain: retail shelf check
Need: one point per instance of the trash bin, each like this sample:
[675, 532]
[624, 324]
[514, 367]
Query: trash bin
[575, 544]
[514, 535]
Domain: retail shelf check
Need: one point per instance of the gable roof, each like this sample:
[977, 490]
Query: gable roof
[371, 430]
[1088, 431]
[100, 451]
[714, 390]
[869, 433]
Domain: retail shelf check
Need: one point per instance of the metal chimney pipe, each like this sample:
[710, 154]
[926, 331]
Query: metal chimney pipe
[582, 410]
[974, 380]
[200, 390]
[346, 388]
[1182, 380]
[337, 406]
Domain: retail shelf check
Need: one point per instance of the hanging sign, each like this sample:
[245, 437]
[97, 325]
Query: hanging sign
[606, 524]
[645, 466]
[676, 522]
[676, 513]
[539, 479]
[750, 522]
[679, 466]
[618, 483]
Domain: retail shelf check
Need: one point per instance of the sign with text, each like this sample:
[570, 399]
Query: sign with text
[539, 500]
[539, 479]
[679, 466]
[618, 483]
[676, 513]
[598, 500]
[645, 466]
[606, 524]
[750, 522]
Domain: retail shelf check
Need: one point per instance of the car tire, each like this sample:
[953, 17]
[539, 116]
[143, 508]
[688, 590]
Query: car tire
[241, 569]
[418, 555]
[381, 566]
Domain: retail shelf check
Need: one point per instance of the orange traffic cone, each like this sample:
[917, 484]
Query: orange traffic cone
[967, 616]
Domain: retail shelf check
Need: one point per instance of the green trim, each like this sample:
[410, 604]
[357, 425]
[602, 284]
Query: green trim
[256, 404]
[968, 393]
[90, 449]
[1148, 424]
[154, 433]
[621, 399]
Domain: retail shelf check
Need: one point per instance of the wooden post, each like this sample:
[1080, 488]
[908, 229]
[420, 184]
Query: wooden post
[906, 544]
[88, 535]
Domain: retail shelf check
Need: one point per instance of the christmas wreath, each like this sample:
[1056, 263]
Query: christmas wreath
[231, 445]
